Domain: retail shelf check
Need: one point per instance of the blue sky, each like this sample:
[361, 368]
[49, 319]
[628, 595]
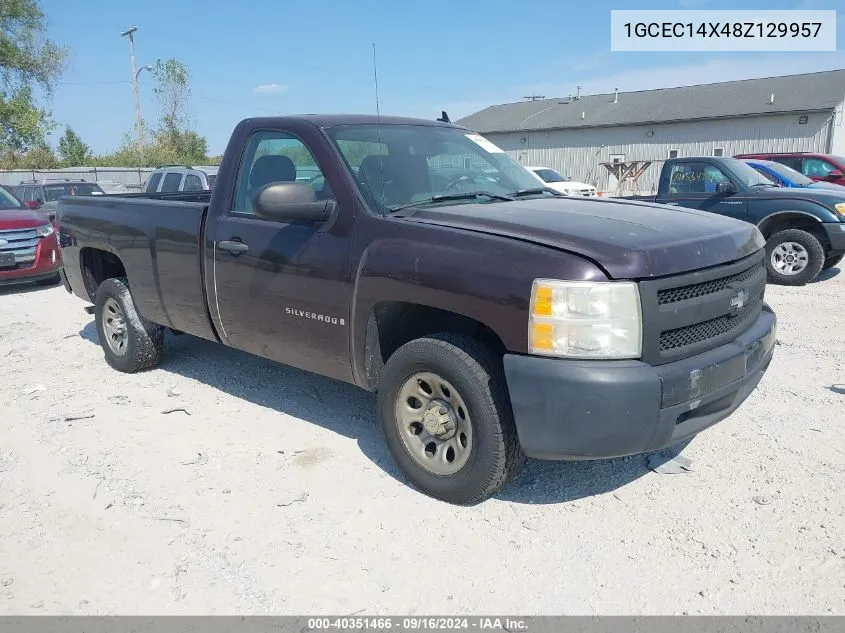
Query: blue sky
[263, 57]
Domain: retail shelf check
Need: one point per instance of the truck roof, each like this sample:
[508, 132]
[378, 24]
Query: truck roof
[329, 120]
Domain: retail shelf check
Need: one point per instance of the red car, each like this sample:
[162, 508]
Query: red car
[29, 250]
[818, 167]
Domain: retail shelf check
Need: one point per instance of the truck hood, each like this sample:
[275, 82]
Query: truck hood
[11, 219]
[629, 240]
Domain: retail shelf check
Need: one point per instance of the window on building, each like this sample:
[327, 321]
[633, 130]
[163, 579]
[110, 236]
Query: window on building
[802, 120]
[718, 151]
[673, 153]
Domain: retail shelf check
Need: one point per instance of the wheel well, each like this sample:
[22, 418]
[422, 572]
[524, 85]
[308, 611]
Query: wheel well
[393, 323]
[781, 222]
[97, 266]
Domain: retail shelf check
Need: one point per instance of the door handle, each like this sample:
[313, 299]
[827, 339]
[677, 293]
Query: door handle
[233, 247]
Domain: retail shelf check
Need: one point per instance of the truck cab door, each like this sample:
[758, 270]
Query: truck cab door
[281, 290]
[700, 185]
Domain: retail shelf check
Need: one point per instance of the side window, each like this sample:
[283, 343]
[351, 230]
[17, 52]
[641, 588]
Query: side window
[695, 178]
[276, 156]
[29, 194]
[152, 183]
[817, 168]
[172, 181]
[192, 183]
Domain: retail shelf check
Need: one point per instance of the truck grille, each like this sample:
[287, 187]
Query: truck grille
[21, 242]
[692, 334]
[671, 295]
[690, 314]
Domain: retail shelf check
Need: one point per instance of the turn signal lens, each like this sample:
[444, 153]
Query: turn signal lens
[840, 208]
[585, 319]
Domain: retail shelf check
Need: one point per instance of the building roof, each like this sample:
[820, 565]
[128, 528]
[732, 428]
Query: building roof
[792, 93]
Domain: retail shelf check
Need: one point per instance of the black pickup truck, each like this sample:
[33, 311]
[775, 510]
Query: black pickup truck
[494, 318]
[804, 228]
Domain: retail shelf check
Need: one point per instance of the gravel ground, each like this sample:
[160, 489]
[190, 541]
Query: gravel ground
[267, 490]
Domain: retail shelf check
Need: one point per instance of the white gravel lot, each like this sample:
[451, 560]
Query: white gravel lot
[273, 494]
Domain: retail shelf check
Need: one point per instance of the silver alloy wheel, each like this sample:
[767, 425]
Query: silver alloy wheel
[789, 258]
[114, 326]
[434, 423]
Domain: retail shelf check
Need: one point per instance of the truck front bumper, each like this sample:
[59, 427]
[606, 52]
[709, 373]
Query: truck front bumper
[570, 409]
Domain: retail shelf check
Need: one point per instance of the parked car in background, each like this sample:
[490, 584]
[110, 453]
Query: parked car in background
[112, 186]
[783, 176]
[43, 195]
[29, 251]
[172, 178]
[562, 184]
[494, 317]
[804, 227]
[818, 167]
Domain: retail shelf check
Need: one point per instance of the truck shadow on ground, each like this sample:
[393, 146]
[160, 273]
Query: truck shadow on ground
[350, 411]
[824, 275]
[20, 289]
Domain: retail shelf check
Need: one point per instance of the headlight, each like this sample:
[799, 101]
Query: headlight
[585, 319]
[44, 231]
[840, 208]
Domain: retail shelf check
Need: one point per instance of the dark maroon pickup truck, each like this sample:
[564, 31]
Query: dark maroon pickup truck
[494, 318]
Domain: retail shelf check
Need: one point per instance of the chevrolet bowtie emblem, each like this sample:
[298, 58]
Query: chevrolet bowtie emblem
[739, 300]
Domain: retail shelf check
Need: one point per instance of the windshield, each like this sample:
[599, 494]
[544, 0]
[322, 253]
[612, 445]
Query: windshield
[396, 165]
[746, 173]
[549, 175]
[211, 178]
[787, 173]
[54, 192]
[8, 201]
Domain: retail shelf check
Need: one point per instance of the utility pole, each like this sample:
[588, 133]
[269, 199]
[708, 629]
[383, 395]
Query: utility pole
[131, 33]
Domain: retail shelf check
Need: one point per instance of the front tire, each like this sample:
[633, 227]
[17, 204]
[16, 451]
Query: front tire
[793, 257]
[446, 418]
[130, 342]
[830, 262]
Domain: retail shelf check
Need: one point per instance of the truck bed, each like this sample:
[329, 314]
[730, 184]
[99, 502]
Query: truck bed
[158, 237]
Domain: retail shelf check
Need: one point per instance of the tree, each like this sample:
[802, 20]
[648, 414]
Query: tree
[172, 92]
[27, 61]
[73, 152]
[39, 157]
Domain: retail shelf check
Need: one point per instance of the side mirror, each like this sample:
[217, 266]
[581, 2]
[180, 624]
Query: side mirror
[836, 173]
[290, 202]
[34, 204]
[726, 187]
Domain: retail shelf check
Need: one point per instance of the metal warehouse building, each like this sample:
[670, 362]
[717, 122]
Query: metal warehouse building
[574, 135]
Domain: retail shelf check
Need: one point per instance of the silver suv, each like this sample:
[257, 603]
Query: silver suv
[181, 178]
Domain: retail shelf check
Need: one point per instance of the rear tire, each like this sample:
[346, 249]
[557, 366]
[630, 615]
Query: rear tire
[830, 262]
[466, 386]
[793, 257]
[130, 342]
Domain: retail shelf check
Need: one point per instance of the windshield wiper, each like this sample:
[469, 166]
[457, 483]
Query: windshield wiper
[536, 191]
[446, 197]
